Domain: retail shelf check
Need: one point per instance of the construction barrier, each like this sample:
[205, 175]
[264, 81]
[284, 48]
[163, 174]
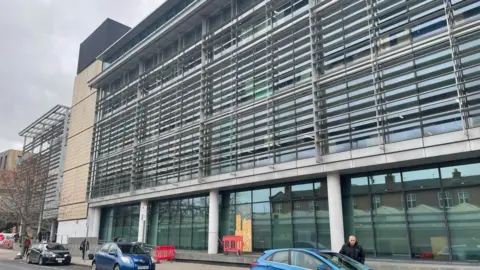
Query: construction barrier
[232, 244]
[165, 253]
[7, 240]
[8, 244]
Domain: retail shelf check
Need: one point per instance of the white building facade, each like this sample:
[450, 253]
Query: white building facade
[293, 123]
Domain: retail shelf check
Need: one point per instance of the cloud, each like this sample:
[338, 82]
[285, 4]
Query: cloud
[39, 50]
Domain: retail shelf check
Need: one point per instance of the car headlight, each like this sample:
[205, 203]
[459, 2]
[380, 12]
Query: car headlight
[125, 259]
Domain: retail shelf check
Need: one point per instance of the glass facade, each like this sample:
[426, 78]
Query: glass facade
[182, 223]
[428, 213]
[390, 71]
[277, 217]
[119, 221]
[232, 95]
[420, 213]
[158, 23]
[259, 83]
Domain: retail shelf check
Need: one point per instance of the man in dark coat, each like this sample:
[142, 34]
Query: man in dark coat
[353, 250]
[84, 246]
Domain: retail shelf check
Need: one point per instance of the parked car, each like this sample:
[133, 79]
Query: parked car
[308, 244]
[122, 256]
[49, 253]
[303, 258]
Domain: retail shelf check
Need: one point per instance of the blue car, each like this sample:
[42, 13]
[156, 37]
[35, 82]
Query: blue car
[122, 256]
[301, 259]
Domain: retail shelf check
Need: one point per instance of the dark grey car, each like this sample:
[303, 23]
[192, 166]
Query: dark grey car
[49, 253]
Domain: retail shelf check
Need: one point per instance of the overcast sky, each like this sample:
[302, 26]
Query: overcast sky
[39, 46]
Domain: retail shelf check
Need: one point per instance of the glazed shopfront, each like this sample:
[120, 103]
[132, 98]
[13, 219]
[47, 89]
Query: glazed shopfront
[408, 213]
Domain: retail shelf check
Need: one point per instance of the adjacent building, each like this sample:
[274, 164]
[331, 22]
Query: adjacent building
[9, 159]
[292, 123]
[46, 140]
[72, 226]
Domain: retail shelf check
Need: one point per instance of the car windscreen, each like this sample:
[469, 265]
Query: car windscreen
[55, 247]
[132, 249]
[341, 261]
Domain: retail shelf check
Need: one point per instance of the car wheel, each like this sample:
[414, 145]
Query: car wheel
[28, 259]
[40, 261]
[66, 263]
[94, 266]
[117, 267]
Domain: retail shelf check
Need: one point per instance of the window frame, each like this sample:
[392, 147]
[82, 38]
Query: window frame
[272, 256]
[113, 246]
[462, 198]
[306, 254]
[106, 247]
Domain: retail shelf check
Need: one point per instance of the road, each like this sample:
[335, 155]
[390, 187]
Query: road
[7, 263]
[186, 266]
[10, 264]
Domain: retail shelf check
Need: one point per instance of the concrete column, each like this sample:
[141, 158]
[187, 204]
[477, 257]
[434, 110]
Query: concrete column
[213, 223]
[335, 211]
[142, 222]
[53, 230]
[153, 219]
[94, 215]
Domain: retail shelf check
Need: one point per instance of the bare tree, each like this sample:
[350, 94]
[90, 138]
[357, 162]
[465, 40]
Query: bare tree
[23, 193]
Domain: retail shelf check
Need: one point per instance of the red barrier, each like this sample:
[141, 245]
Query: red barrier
[165, 253]
[232, 244]
[8, 244]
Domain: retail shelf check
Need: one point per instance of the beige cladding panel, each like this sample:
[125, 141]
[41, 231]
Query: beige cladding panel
[82, 116]
[78, 150]
[11, 157]
[74, 187]
[81, 89]
[73, 211]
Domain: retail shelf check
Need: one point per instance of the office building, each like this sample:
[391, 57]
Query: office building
[293, 123]
[46, 139]
[72, 227]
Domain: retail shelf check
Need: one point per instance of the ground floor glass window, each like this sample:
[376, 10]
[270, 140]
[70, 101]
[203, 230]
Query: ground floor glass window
[419, 213]
[278, 217]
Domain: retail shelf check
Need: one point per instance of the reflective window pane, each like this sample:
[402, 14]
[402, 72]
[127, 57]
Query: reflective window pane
[357, 221]
[243, 225]
[390, 226]
[261, 228]
[302, 190]
[323, 223]
[304, 224]
[464, 222]
[278, 193]
[181, 222]
[462, 175]
[320, 189]
[426, 222]
[355, 185]
[421, 179]
[282, 225]
[120, 221]
[243, 197]
[261, 195]
[385, 182]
